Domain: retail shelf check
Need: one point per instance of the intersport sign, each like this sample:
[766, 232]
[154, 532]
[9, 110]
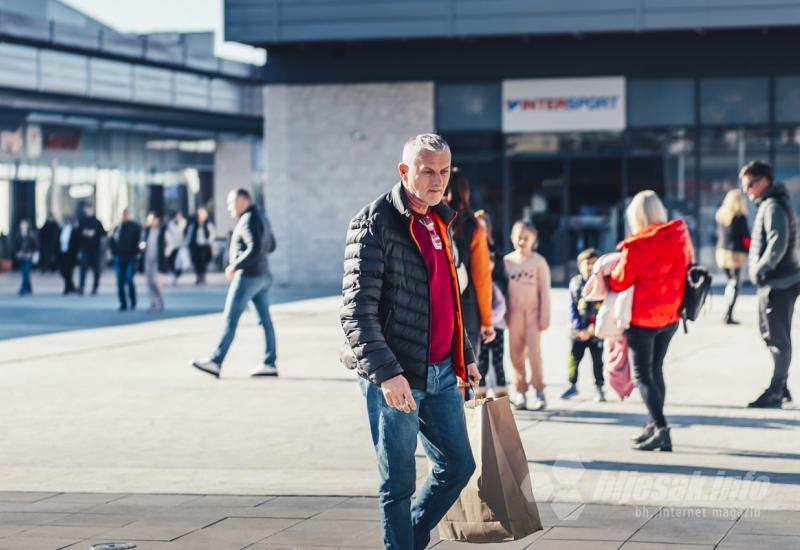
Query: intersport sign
[566, 104]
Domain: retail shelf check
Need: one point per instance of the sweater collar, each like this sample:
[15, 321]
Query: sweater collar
[398, 199]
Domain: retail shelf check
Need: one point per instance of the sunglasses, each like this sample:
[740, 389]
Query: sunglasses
[751, 183]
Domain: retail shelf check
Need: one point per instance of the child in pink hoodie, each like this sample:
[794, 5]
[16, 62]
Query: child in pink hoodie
[528, 311]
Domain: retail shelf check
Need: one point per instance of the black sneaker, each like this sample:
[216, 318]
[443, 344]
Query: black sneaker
[766, 400]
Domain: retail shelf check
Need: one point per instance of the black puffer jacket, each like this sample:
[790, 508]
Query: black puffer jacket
[386, 308]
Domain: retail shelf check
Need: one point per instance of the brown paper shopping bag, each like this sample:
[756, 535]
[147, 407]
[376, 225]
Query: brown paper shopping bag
[497, 504]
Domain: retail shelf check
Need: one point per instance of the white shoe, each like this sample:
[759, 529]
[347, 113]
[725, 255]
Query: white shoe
[209, 367]
[541, 402]
[264, 370]
[599, 396]
[520, 402]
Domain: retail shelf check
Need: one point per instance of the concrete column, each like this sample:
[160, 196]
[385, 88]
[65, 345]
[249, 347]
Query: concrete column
[329, 150]
[233, 162]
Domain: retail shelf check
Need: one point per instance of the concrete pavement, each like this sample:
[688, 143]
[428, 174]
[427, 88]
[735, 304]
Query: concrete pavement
[47, 521]
[116, 409]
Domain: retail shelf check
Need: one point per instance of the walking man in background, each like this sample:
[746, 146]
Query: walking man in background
[774, 266]
[125, 248]
[406, 339]
[248, 271]
[90, 242]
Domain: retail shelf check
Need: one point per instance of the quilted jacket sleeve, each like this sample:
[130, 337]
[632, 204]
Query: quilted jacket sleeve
[361, 291]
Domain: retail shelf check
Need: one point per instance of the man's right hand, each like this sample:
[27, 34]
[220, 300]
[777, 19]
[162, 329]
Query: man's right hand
[397, 393]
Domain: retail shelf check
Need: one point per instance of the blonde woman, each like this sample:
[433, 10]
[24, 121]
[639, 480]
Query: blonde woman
[654, 258]
[733, 243]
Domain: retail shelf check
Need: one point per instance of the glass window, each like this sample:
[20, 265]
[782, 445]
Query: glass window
[468, 107]
[663, 160]
[734, 101]
[787, 99]
[787, 161]
[662, 102]
[724, 151]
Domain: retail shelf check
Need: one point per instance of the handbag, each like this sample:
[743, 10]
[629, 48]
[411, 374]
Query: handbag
[698, 286]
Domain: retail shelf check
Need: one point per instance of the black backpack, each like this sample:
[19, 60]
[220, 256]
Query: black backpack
[698, 286]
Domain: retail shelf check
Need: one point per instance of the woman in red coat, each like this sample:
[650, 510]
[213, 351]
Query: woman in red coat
[655, 259]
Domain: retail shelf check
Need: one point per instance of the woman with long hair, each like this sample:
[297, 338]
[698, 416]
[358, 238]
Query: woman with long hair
[655, 258]
[733, 243]
[473, 253]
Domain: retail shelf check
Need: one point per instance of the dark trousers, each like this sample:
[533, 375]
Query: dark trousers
[66, 265]
[90, 260]
[731, 290]
[25, 286]
[126, 267]
[775, 311]
[647, 348]
[201, 255]
[491, 356]
[578, 350]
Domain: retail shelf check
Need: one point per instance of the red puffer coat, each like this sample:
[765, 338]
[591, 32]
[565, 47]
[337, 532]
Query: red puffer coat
[656, 260]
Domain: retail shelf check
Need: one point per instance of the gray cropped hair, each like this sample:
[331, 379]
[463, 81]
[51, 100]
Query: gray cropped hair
[423, 142]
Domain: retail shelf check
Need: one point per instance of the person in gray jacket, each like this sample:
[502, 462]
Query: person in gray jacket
[774, 266]
[248, 271]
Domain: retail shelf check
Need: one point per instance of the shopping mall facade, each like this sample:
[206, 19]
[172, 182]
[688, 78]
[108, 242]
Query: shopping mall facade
[92, 116]
[556, 111]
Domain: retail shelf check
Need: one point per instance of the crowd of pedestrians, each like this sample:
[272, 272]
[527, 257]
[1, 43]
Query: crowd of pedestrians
[428, 301]
[82, 242]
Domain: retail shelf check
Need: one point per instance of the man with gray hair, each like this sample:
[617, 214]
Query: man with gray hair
[405, 338]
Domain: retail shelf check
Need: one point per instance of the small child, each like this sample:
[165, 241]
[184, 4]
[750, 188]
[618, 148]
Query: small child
[491, 354]
[582, 318]
[528, 311]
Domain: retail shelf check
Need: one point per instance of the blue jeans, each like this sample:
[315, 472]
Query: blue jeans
[26, 287]
[90, 260]
[125, 266]
[439, 420]
[244, 290]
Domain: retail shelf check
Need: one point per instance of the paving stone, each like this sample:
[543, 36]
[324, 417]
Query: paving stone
[21, 542]
[20, 496]
[140, 544]
[356, 508]
[604, 515]
[298, 507]
[612, 532]
[223, 501]
[769, 522]
[663, 546]
[28, 518]
[63, 532]
[508, 545]
[361, 534]
[141, 504]
[164, 528]
[684, 525]
[749, 542]
[231, 533]
[553, 513]
[95, 520]
[548, 544]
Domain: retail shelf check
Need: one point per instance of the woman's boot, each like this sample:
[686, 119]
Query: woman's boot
[660, 440]
[646, 433]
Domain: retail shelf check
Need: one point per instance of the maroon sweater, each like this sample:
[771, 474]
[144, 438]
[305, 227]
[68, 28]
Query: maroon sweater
[442, 302]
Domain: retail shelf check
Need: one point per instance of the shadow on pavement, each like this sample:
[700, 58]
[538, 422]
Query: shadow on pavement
[676, 420]
[616, 466]
[48, 312]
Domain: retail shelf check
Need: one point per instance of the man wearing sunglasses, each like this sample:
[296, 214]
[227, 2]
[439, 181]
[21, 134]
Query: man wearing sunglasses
[774, 266]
